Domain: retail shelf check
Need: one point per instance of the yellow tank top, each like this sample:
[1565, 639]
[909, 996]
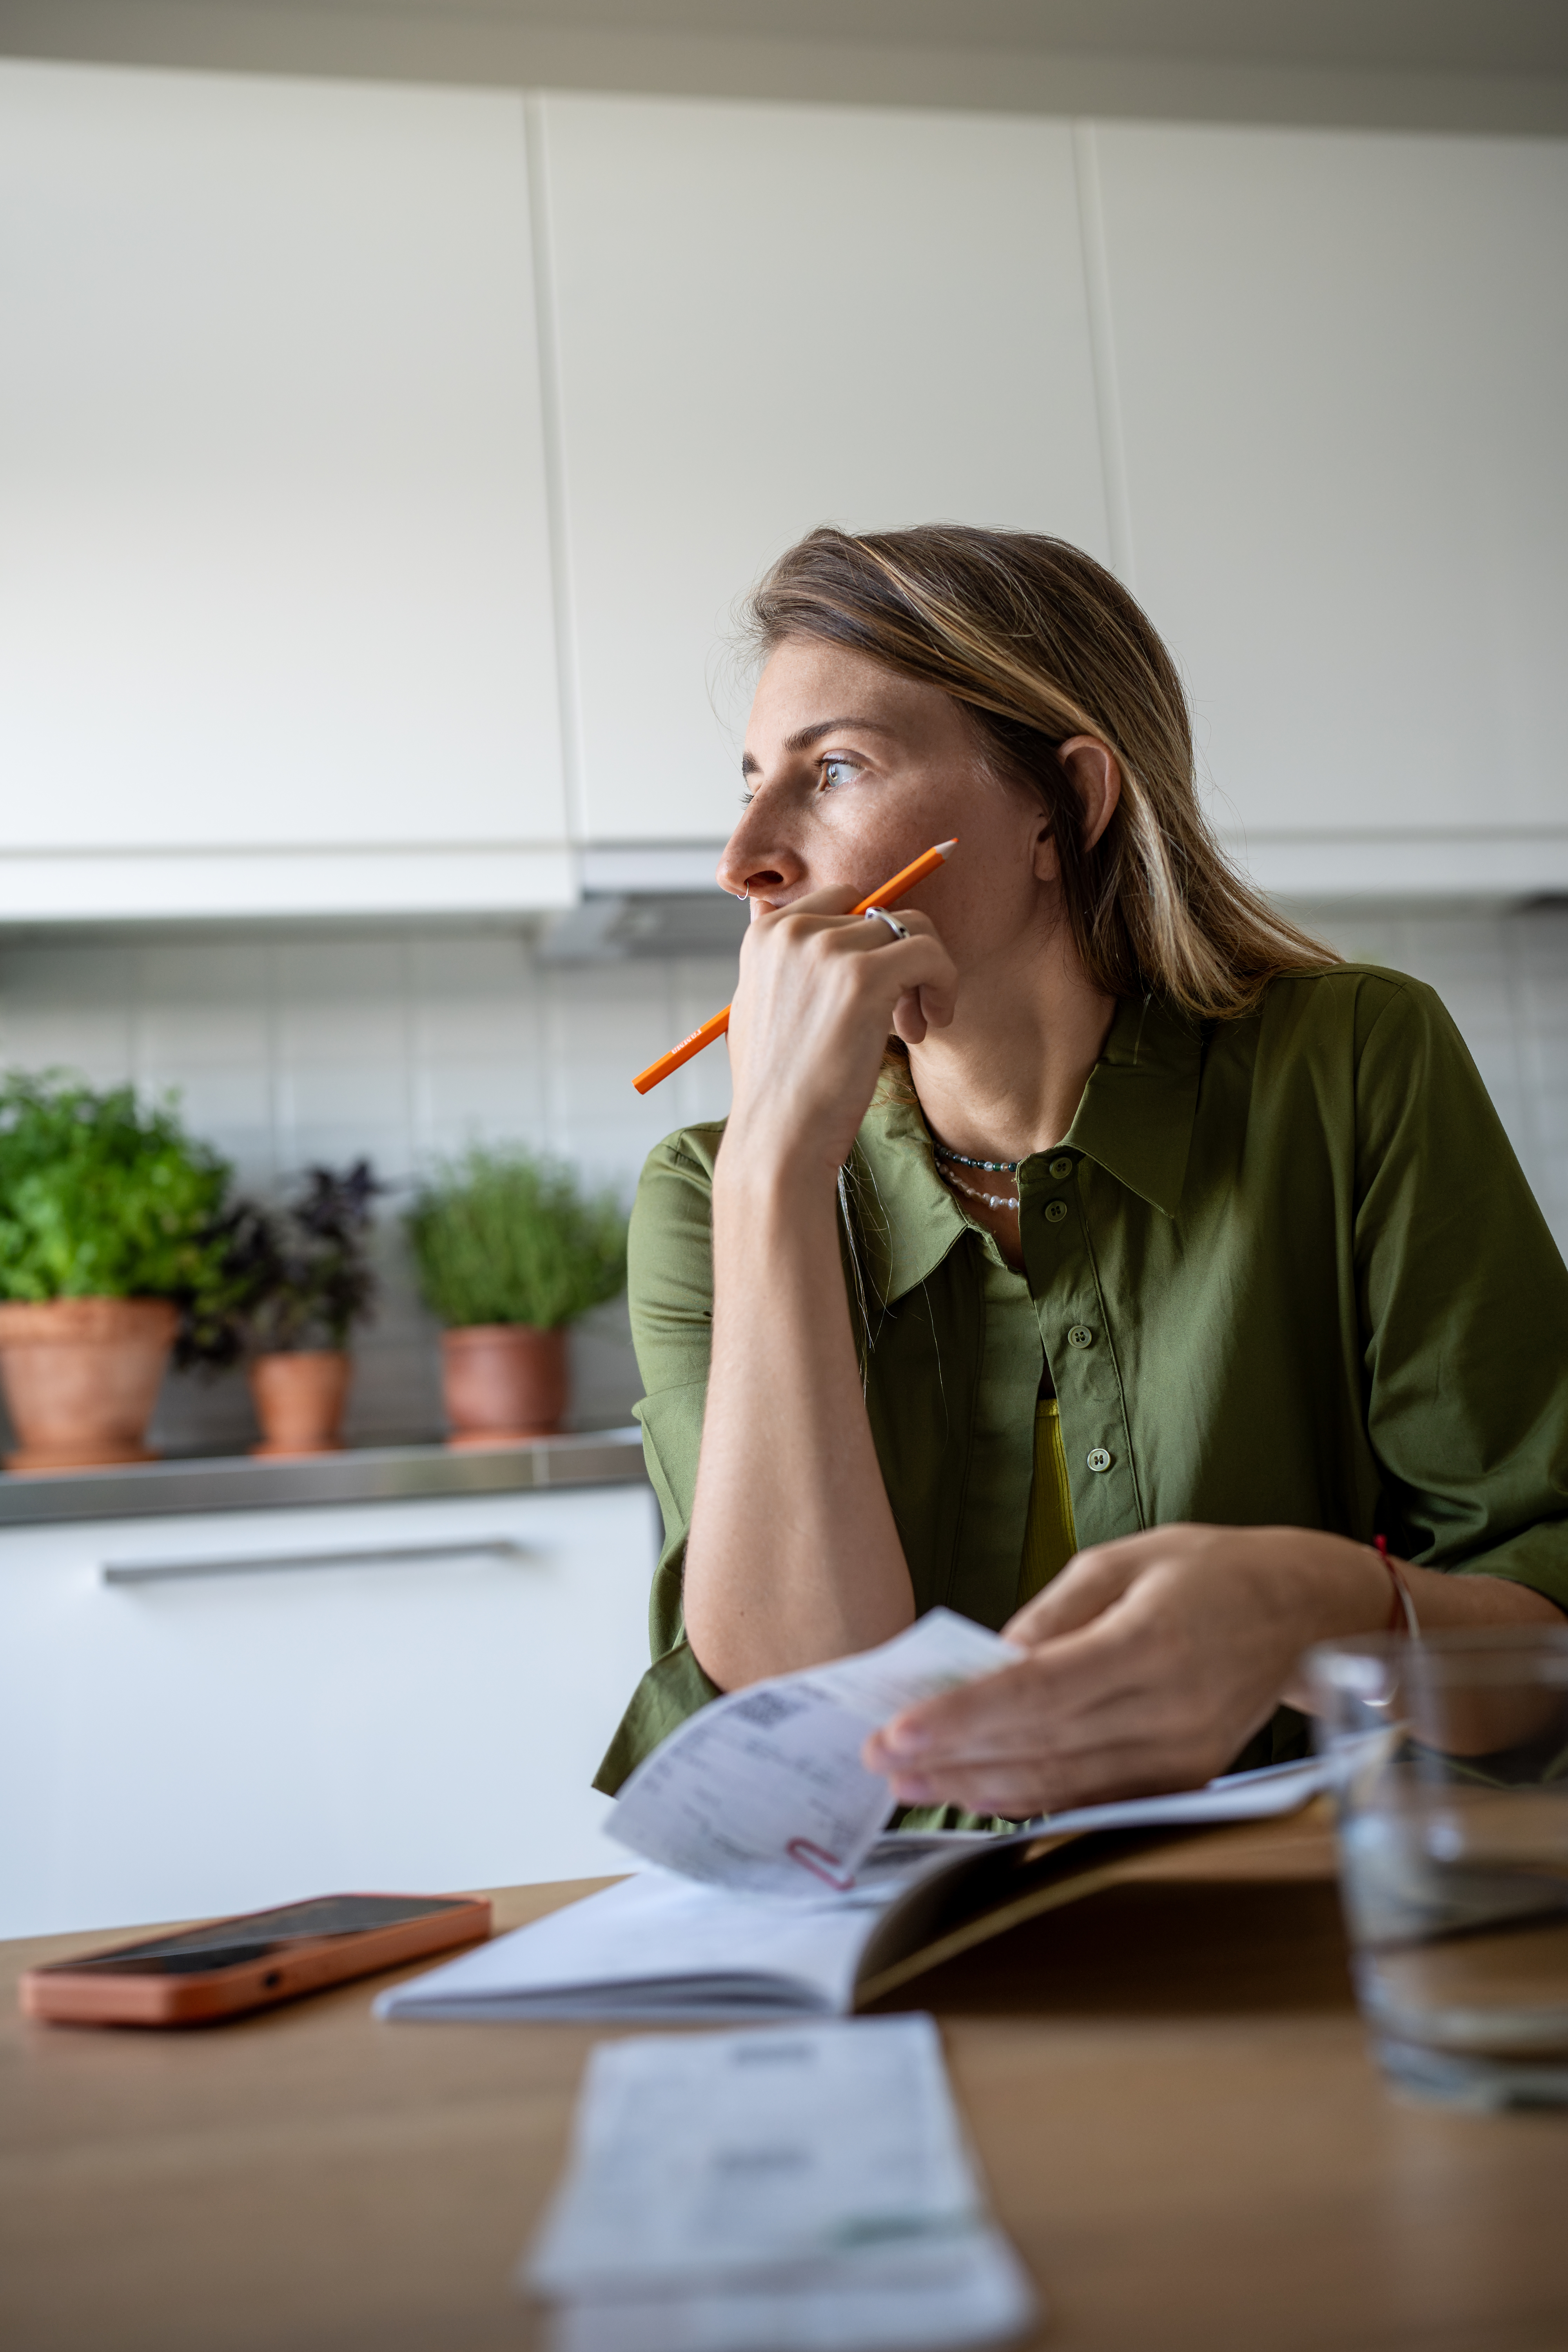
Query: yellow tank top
[1050, 1540]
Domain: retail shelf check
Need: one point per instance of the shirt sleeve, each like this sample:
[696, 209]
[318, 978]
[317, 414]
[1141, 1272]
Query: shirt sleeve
[1463, 1300]
[670, 1283]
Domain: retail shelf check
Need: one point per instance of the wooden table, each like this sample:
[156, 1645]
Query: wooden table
[1167, 2085]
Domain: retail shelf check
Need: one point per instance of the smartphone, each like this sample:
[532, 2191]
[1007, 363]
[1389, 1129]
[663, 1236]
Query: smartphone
[204, 1974]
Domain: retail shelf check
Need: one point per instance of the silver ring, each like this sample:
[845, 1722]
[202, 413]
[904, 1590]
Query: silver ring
[880, 915]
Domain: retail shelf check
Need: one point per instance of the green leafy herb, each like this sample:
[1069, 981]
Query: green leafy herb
[102, 1197]
[505, 1236]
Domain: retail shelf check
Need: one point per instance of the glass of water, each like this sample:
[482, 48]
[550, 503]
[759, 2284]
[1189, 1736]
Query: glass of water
[1450, 1756]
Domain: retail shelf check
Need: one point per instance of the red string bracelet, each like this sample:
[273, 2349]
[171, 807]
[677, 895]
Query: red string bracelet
[1402, 1617]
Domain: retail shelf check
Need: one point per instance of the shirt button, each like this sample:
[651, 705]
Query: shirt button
[1055, 1212]
[1062, 1165]
[1080, 1335]
[1098, 1459]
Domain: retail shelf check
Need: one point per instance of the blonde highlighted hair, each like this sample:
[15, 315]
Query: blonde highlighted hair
[1039, 643]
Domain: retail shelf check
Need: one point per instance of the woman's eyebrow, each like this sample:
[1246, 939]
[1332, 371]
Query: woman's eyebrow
[804, 737]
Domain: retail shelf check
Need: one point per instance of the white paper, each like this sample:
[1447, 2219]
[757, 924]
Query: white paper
[1260, 1796]
[805, 2185]
[764, 1790]
[697, 2154]
[654, 1946]
[980, 2293]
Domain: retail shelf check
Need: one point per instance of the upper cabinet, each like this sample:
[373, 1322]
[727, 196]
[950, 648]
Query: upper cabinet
[771, 317]
[276, 603]
[381, 469]
[1340, 364]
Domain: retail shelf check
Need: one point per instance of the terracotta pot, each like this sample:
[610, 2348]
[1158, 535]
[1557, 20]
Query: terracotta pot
[82, 1377]
[300, 1400]
[503, 1382]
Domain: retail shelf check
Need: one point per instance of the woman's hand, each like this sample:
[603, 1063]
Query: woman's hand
[1151, 1662]
[820, 992]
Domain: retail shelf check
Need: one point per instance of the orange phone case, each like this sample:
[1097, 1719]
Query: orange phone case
[68, 1993]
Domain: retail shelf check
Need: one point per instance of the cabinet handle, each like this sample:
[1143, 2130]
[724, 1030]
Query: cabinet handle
[152, 1571]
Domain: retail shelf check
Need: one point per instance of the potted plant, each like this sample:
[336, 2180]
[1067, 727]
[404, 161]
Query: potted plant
[298, 1279]
[509, 1250]
[108, 1249]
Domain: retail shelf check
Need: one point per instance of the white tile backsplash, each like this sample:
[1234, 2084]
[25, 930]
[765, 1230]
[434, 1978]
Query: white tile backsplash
[402, 1044]
[408, 1044]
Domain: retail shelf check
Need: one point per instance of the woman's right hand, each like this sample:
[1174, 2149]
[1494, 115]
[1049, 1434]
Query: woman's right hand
[820, 990]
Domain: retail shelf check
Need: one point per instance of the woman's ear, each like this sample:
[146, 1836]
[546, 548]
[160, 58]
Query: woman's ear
[1096, 773]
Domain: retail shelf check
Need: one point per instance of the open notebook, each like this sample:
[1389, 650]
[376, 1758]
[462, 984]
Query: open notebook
[663, 1948]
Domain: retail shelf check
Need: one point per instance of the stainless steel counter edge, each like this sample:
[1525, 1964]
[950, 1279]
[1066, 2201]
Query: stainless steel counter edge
[599, 1457]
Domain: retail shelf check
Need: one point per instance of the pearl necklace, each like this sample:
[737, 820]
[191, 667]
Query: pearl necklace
[993, 1167]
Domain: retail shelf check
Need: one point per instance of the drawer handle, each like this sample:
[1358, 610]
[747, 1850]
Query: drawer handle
[154, 1571]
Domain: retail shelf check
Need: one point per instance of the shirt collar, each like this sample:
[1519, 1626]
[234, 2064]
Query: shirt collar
[1136, 1115]
[1135, 1120]
[905, 1219]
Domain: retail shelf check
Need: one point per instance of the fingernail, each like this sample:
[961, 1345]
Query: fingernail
[910, 1789]
[905, 1738]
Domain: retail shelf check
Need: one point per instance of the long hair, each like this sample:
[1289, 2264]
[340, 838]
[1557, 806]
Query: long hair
[1039, 643]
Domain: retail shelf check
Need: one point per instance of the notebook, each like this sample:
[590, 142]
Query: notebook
[663, 1948]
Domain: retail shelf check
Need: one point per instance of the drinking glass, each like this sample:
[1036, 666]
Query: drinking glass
[1450, 1768]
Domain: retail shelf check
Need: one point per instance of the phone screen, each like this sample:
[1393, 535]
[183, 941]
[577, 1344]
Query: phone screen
[228, 1942]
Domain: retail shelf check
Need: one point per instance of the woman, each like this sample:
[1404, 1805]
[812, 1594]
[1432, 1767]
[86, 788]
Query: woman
[1088, 1249]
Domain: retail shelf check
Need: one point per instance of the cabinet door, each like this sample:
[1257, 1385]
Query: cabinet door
[770, 316]
[274, 568]
[1342, 368]
[419, 1704]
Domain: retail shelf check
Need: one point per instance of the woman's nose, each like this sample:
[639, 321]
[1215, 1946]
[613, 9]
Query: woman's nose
[753, 867]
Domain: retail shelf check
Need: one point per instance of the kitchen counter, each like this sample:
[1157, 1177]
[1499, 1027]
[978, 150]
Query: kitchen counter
[599, 1457]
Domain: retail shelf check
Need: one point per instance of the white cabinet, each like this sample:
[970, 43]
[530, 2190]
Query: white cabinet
[413, 1696]
[276, 602]
[771, 317]
[279, 597]
[1341, 368]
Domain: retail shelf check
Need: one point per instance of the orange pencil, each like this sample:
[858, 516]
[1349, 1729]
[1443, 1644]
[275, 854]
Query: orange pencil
[716, 1025]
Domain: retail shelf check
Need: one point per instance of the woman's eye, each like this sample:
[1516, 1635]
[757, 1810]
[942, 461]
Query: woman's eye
[838, 772]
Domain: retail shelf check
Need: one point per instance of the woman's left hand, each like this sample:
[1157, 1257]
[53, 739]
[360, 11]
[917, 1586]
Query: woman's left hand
[1150, 1663]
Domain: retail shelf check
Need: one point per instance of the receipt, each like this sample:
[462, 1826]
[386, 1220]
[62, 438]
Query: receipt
[764, 1790]
[973, 2291]
[744, 2154]
[788, 2188]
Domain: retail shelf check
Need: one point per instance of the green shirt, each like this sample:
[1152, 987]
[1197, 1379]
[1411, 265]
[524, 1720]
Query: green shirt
[1283, 1270]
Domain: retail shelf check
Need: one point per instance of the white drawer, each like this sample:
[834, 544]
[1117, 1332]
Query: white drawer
[210, 1713]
